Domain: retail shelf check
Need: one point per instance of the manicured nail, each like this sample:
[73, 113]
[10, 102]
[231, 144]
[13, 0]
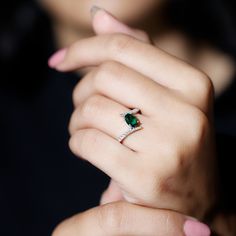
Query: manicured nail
[196, 228]
[57, 58]
[94, 9]
[109, 24]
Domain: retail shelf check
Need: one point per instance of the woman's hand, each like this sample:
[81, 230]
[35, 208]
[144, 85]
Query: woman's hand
[127, 219]
[169, 164]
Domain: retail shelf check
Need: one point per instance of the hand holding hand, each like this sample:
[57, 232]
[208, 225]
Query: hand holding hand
[169, 164]
[123, 218]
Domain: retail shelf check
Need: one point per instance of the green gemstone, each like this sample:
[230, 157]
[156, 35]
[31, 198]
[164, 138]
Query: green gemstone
[131, 120]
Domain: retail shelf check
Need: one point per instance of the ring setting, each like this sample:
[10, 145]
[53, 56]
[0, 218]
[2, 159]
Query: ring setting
[131, 121]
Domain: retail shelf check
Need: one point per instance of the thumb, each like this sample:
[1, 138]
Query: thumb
[105, 23]
[122, 218]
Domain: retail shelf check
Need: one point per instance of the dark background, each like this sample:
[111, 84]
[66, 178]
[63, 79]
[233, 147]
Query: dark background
[41, 182]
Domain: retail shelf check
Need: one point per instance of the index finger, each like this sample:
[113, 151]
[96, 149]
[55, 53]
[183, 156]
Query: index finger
[147, 59]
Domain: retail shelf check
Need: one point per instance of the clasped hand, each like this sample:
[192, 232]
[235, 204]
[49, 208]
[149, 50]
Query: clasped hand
[167, 165]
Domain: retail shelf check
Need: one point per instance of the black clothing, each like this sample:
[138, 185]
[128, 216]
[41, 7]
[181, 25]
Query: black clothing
[41, 181]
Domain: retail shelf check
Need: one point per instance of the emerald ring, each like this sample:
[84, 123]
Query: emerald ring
[132, 123]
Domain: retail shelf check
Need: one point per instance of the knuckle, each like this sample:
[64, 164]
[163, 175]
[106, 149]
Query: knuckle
[199, 125]
[118, 44]
[105, 70]
[73, 144]
[207, 89]
[72, 122]
[107, 73]
[205, 86]
[112, 218]
[75, 94]
[92, 106]
[101, 75]
[81, 142]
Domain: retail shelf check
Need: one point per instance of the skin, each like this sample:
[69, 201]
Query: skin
[179, 98]
[167, 166]
[71, 21]
[122, 218]
[76, 13]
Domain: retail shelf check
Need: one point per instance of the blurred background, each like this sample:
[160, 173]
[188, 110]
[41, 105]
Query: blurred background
[41, 182]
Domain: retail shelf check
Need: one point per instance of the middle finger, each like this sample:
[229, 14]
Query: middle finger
[125, 86]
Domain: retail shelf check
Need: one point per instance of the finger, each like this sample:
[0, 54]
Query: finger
[105, 23]
[124, 86]
[105, 153]
[101, 113]
[122, 218]
[112, 194]
[144, 58]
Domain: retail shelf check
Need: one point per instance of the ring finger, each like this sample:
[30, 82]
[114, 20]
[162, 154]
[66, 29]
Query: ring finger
[103, 114]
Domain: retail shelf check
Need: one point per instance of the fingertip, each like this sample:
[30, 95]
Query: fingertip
[196, 228]
[104, 22]
[94, 9]
[101, 20]
[57, 58]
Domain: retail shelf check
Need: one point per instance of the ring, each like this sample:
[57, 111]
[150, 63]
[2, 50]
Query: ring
[132, 123]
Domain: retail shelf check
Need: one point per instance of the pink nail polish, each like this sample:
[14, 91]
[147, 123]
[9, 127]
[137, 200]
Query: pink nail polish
[196, 228]
[57, 58]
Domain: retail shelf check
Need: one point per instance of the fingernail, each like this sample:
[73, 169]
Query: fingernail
[57, 58]
[108, 22]
[196, 228]
[94, 9]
